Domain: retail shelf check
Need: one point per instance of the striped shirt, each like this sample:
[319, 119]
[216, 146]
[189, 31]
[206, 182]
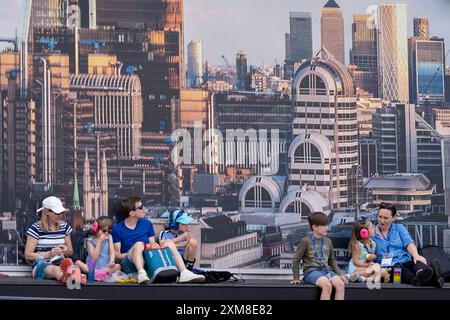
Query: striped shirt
[51, 239]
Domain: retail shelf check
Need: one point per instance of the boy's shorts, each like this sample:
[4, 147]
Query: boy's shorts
[312, 275]
[127, 265]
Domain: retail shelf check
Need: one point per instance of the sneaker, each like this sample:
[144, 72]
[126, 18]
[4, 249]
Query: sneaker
[142, 277]
[355, 278]
[439, 281]
[422, 277]
[188, 276]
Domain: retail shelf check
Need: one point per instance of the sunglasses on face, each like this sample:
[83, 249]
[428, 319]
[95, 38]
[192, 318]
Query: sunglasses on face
[140, 207]
[106, 230]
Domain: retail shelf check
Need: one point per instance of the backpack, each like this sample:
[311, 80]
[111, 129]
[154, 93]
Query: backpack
[218, 276]
[160, 265]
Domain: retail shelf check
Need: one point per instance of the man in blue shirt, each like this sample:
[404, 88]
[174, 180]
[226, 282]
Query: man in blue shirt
[130, 237]
[395, 247]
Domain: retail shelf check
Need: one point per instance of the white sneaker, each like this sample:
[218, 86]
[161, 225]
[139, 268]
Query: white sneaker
[142, 277]
[354, 277]
[188, 276]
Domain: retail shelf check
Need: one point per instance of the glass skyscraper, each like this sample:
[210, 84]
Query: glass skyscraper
[393, 52]
[427, 70]
[300, 36]
[364, 53]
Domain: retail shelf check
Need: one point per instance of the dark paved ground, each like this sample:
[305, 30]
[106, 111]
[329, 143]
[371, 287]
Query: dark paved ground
[25, 287]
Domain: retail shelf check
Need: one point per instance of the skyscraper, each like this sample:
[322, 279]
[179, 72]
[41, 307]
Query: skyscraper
[242, 78]
[332, 30]
[427, 74]
[300, 37]
[421, 28]
[287, 46]
[364, 53]
[407, 144]
[195, 63]
[393, 52]
[147, 35]
[325, 129]
[49, 13]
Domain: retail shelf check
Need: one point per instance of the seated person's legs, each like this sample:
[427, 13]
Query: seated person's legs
[326, 286]
[185, 275]
[339, 285]
[53, 272]
[190, 253]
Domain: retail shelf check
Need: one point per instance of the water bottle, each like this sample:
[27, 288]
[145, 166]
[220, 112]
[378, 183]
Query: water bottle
[40, 267]
[91, 271]
[397, 275]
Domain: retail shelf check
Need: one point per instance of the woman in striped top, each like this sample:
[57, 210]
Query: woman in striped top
[50, 238]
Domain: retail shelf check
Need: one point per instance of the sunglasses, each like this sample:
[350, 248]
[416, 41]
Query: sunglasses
[140, 207]
[106, 230]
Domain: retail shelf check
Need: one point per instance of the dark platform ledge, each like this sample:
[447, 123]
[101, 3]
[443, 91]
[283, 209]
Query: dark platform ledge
[27, 288]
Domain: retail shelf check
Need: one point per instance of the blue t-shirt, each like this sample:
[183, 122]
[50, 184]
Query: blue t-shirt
[128, 237]
[396, 242]
[168, 235]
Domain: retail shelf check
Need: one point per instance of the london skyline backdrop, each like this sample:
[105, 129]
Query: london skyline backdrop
[226, 27]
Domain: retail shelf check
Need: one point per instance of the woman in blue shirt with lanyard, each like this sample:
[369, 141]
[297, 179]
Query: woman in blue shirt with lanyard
[395, 247]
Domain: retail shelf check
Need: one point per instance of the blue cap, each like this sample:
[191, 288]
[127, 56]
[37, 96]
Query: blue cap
[184, 219]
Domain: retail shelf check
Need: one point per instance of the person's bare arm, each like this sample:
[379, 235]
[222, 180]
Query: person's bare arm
[112, 254]
[119, 256]
[69, 250]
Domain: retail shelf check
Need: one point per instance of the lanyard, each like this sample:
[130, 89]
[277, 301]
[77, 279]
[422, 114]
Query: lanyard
[315, 248]
[369, 249]
[386, 239]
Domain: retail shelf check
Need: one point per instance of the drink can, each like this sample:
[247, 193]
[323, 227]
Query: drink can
[397, 275]
[39, 267]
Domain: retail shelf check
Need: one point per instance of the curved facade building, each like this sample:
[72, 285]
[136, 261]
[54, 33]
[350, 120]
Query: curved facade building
[325, 129]
[117, 107]
[267, 195]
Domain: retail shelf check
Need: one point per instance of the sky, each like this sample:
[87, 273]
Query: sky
[258, 26]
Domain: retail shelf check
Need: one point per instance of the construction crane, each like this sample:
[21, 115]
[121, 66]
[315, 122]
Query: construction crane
[230, 68]
[49, 42]
[13, 41]
[95, 44]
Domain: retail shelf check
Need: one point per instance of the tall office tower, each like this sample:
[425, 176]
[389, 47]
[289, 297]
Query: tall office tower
[242, 77]
[364, 53]
[421, 28]
[300, 36]
[332, 30]
[325, 128]
[288, 65]
[407, 144]
[49, 13]
[18, 146]
[427, 74]
[393, 52]
[195, 64]
[117, 108]
[146, 35]
[287, 47]
[254, 111]
[51, 72]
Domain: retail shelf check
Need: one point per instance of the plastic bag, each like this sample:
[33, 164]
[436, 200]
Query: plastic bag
[117, 276]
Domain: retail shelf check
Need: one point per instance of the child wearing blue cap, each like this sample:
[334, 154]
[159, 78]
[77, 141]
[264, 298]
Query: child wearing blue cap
[177, 231]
